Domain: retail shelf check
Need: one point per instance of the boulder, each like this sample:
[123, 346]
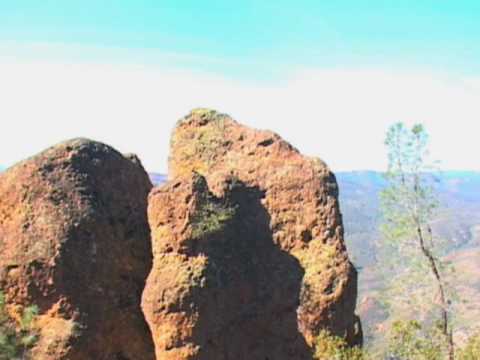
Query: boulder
[74, 240]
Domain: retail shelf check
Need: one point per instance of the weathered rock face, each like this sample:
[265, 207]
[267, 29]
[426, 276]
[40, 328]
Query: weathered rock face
[260, 288]
[220, 288]
[74, 240]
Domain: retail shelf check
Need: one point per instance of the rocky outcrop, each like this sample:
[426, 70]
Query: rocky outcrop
[245, 279]
[74, 240]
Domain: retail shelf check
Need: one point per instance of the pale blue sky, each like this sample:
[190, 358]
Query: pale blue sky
[432, 33]
[343, 69]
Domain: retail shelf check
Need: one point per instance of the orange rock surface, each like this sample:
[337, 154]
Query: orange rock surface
[74, 241]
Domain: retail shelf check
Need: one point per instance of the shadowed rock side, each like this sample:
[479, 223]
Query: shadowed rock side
[301, 201]
[220, 288]
[74, 240]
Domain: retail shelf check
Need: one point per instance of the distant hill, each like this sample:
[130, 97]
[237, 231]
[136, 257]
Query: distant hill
[458, 193]
[157, 179]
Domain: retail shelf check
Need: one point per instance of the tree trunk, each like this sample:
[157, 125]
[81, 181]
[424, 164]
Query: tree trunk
[434, 268]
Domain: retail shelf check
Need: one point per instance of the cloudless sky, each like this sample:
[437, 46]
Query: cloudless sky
[327, 75]
[424, 32]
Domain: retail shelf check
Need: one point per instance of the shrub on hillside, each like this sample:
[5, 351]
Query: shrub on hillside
[413, 341]
[330, 347]
[472, 350]
[16, 336]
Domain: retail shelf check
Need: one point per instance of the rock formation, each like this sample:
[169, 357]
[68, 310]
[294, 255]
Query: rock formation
[252, 265]
[249, 260]
[74, 240]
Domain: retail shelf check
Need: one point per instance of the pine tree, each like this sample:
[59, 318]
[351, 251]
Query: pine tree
[408, 207]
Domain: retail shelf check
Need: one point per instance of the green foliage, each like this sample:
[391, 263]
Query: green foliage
[409, 252]
[407, 204]
[16, 337]
[406, 340]
[471, 351]
[409, 340]
[210, 217]
[203, 112]
[409, 199]
[329, 347]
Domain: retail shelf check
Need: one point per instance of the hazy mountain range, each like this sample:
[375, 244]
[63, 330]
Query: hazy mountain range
[459, 213]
